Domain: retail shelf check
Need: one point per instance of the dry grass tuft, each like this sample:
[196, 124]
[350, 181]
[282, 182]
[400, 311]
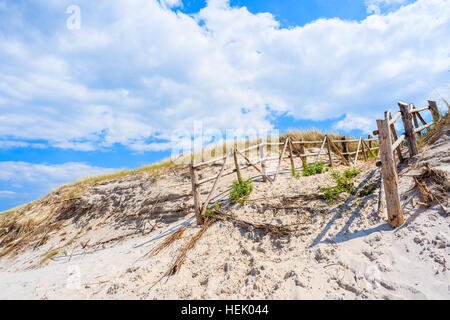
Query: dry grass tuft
[171, 239]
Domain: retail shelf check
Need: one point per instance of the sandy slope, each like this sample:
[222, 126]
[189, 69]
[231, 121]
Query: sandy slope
[340, 251]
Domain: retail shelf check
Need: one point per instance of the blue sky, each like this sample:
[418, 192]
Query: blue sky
[112, 93]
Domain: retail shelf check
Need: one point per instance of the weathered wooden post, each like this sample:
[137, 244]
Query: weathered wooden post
[344, 148]
[390, 178]
[196, 194]
[369, 138]
[434, 111]
[409, 129]
[329, 152]
[262, 156]
[236, 162]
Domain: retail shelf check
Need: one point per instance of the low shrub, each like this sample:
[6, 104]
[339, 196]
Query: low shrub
[241, 190]
[313, 168]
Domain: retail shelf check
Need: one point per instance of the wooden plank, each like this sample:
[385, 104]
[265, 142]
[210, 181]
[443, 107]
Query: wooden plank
[321, 148]
[208, 199]
[417, 130]
[416, 110]
[390, 178]
[357, 151]
[305, 142]
[346, 141]
[329, 152]
[254, 166]
[339, 153]
[281, 159]
[398, 142]
[209, 162]
[434, 111]
[196, 195]
[395, 118]
[409, 129]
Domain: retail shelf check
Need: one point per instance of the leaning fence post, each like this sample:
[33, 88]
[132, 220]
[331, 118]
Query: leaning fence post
[409, 129]
[389, 172]
[434, 111]
[196, 194]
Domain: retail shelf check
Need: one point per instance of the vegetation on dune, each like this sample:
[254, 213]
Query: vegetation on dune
[313, 168]
[240, 190]
[344, 183]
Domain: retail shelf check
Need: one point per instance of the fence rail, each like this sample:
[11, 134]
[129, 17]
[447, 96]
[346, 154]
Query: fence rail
[364, 146]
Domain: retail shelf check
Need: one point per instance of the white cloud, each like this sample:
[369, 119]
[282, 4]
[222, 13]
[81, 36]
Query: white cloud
[137, 70]
[374, 6]
[361, 123]
[25, 175]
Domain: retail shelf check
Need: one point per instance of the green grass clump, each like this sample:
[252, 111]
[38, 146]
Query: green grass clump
[241, 190]
[344, 183]
[313, 168]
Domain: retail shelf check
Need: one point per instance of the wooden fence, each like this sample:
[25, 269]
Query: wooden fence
[364, 147]
[391, 144]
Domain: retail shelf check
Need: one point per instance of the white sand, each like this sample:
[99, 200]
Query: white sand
[340, 251]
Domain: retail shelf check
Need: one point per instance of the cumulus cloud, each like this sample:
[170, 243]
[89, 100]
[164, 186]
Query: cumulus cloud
[136, 70]
[375, 6]
[23, 181]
